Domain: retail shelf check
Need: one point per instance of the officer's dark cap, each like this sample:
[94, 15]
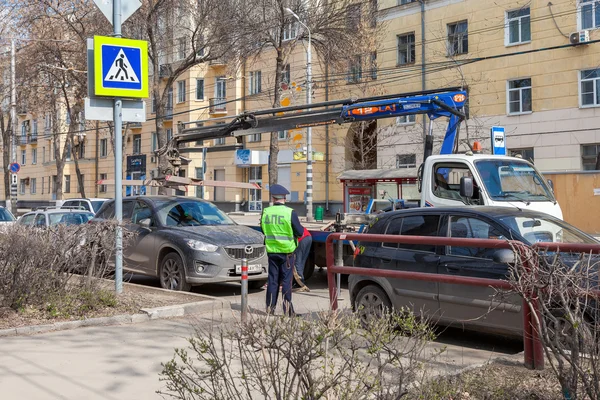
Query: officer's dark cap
[278, 190]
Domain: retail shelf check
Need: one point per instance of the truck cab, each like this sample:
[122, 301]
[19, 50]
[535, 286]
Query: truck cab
[496, 181]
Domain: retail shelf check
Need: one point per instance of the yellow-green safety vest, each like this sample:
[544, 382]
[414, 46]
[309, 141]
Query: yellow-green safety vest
[276, 224]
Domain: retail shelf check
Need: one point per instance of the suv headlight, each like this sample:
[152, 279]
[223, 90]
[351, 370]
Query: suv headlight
[198, 245]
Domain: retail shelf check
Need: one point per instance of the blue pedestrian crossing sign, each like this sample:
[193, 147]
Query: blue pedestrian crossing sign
[120, 67]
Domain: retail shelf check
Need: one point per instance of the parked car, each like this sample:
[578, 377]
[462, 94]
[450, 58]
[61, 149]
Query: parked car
[53, 216]
[6, 217]
[452, 304]
[186, 241]
[92, 205]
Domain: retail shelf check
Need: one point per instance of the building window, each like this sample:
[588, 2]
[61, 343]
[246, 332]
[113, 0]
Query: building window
[353, 17]
[590, 87]
[255, 82]
[355, 70]
[103, 147]
[282, 135]
[23, 157]
[219, 141]
[199, 189]
[33, 156]
[79, 189]
[81, 150]
[290, 31]
[67, 184]
[34, 131]
[22, 186]
[589, 157]
[154, 142]
[43, 155]
[103, 188]
[402, 2]
[68, 150]
[406, 48]
[458, 38]
[406, 160]
[180, 91]
[137, 144]
[285, 74]
[373, 12]
[588, 14]
[256, 137]
[519, 96]
[517, 28]
[526, 154]
[406, 119]
[43, 179]
[169, 134]
[181, 48]
[32, 186]
[68, 118]
[48, 121]
[153, 105]
[200, 89]
[373, 65]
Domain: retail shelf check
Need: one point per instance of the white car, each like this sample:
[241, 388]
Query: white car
[92, 204]
[6, 217]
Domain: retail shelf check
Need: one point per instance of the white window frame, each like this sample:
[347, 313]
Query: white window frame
[520, 90]
[67, 184]
[181, 91]
[290, 32]
[103, 188]
[254, 138]
[596, 84]
[32, 186]
[254, 82]
[406, 165]
[409, 47]
[23, 157]
[410, 119]
[282, 135]
[198, 80]
[181, 48]
[33, 156]
[459, 37]
[103, 146]
[507, 22]
[219, 141]
[22, 186]
[580, 5]
[137, 144]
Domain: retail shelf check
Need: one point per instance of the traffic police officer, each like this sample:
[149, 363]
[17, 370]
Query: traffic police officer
[282, 228]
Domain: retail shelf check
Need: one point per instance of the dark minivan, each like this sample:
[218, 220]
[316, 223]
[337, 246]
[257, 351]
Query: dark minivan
[444, 303]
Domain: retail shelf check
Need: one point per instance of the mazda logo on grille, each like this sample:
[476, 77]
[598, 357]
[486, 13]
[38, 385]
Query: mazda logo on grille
[248, 249]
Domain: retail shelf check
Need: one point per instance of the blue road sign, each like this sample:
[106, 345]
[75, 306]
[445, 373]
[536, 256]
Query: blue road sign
[120, 67]
[15, 168]
[498, 140]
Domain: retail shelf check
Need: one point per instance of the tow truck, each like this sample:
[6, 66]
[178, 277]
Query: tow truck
[447, 179]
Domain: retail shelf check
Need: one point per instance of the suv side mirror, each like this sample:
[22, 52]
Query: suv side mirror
[551, 184]
[145, 223]
[466, 187]
[504, 256]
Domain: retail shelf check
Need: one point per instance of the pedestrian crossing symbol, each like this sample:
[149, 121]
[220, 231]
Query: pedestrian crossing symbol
[120, 67]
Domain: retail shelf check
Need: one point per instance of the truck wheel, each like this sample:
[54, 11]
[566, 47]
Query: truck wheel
[256, 284]
[371, 303]
[309, 267]
[172, 273]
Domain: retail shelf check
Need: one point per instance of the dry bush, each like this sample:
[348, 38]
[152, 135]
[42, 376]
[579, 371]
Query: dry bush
[330, 356]
[562, 286]
[38, 265]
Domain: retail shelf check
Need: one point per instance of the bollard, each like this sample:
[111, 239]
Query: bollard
[244, 289]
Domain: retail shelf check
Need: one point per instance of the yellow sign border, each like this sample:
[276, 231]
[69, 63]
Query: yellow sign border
[99, 89]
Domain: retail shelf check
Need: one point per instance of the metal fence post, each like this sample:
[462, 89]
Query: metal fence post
[244, 289]
[339, 260]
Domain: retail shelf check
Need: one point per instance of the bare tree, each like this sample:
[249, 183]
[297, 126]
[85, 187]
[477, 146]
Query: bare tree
[334, 27]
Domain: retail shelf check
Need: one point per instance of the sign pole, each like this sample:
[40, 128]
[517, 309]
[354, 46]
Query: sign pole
[118, 134]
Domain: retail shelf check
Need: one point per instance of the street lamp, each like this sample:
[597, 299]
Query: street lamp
[309, 169]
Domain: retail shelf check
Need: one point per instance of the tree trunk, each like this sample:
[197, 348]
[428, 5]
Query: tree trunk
[6, 156]
[77, 170]
[274, 143]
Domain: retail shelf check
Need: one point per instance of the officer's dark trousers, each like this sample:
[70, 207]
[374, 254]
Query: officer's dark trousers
[280, 273]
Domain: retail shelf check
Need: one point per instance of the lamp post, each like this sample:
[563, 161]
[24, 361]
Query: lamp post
[309, 169]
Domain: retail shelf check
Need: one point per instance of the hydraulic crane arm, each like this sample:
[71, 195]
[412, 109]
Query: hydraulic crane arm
[447, 102]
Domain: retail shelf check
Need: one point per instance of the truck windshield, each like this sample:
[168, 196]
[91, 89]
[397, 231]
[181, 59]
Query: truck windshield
[546, 229]
[512, 180]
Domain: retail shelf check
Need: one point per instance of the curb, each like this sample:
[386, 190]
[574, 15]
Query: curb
[145, 315]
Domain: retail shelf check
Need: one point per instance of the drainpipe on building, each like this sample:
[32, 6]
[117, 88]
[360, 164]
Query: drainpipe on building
[423, 82]
[97, 160]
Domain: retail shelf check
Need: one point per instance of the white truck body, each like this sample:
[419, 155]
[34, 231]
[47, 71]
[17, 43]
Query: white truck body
[499, 181]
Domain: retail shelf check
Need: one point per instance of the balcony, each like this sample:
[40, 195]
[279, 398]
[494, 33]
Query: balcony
[168, 113]
[23, 140]
[218, 105]
[218, 62]
[135, 125]
[33, 138]
[165, 70]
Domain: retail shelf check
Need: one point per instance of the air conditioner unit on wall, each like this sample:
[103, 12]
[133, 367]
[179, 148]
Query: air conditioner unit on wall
[580, 37]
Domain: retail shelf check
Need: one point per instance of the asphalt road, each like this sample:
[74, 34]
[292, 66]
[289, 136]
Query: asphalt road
[318, 300]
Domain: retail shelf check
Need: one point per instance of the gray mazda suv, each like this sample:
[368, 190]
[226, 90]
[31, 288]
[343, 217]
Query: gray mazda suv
[186, 242]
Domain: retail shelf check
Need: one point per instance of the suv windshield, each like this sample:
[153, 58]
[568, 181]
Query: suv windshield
[548, 229]
[512, 180]
[5, 215]
[190, 213]
[70, 218]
